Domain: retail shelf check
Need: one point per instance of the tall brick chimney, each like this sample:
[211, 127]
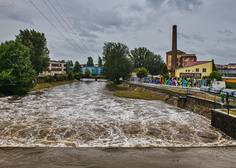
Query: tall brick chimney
[174, 48]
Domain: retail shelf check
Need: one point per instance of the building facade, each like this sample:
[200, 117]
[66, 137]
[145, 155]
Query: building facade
[177, 58]
[97, 70]
[228, 70]
[195, 69]
[55, 68]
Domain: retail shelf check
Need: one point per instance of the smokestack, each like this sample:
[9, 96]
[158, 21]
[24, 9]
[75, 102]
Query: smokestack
[174, 48]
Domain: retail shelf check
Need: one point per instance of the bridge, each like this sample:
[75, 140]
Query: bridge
[94, 77]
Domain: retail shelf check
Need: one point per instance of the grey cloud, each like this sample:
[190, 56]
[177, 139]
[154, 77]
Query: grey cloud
[88, 34]
[182, 35]
[135, 8]
[12, 12]
[192, 37]
[155, 3]
[186, 5]
[227, 40]
[226, 31]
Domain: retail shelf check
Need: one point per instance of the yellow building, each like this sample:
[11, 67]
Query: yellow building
[195, 69]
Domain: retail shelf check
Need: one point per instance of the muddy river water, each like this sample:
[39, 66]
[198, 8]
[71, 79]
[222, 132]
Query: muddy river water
[86, 114]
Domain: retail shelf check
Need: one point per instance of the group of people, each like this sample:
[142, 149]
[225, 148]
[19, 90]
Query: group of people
[222, 96]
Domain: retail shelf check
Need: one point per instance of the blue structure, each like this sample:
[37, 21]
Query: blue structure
[97, 70]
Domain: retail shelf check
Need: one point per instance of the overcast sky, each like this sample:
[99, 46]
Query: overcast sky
[77, 29]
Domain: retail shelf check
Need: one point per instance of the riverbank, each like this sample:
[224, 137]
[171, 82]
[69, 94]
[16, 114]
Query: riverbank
[137, 94]
[47, 85]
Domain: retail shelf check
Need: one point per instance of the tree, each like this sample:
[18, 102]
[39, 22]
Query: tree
[69, 64]
[138, 56]
[164, 71]
[213, 66]
[61, 61]
[16, 72]
[77, 67]
[142, 72]
[87, 73]
[70, 75]
[37, 43]
[216, 75]
[154, 64]
[90, 62]
[117, 64]
[99, 61]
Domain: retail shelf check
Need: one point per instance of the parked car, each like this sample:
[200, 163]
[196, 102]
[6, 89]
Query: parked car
[215, 90]
[205, 88]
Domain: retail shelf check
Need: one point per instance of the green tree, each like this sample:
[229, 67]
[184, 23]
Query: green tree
[141, 72]
[16, 72]
[117, 64]
[99, 61]
[61, 61]
[216, 75]
[37, 43]
[69, 64]
[77, 67]
[70, 75]
[90, 62]
[87, 73]
[213, 66]
[164, 71]
[154, 64]
[138, 56]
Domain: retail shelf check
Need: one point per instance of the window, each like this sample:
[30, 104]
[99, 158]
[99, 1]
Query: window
[197, 69]
[203, 69]
[189, 70]
[186, 70]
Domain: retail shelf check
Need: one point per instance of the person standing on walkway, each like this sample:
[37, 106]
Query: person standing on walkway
[227, 98]
[222, 97]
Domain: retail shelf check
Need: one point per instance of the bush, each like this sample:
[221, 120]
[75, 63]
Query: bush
[87, 73]
[94, 74]
[60, 77]
[70, 75]
[48, 78]
[78, 75]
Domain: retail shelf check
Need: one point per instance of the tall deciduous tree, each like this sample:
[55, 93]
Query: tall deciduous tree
[154, 63]
[99, 61]
[117, 64]
[16, 72]
[37, 43]
[138, 56]
[77, 67]
[90, 62]
[164, 71]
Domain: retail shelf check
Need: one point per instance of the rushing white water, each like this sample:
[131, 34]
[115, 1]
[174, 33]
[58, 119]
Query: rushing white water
[86, 114]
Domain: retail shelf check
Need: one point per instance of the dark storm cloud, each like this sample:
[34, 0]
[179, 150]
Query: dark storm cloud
[13, 12]
[226, 32]
[186, 5]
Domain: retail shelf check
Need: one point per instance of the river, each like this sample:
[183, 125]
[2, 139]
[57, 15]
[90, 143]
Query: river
[86, 114]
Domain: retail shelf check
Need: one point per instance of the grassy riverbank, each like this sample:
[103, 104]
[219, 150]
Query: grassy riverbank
[46, 85]
[135, 94]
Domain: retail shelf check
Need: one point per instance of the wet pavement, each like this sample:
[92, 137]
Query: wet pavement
[220, 157]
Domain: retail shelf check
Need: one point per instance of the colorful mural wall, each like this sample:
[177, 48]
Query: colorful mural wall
[165, 81]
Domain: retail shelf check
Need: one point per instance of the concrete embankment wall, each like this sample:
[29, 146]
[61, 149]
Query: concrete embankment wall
[222, 121]
[197, 105]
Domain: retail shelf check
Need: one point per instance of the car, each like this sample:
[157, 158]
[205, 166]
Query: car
[205, 88]
[215, 90]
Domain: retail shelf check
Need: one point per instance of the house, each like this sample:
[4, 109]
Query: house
[195, 69]
[55, 68]
[97, 70]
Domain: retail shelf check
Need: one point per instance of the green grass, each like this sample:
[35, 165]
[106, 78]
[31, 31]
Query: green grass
[136, 95]
[232, 111]
[46, 85]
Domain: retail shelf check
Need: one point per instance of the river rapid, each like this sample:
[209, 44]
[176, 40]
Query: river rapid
[86, 114]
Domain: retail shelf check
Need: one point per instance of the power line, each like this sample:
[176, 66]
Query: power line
[53, 25]
[74, 28]
[63, 26]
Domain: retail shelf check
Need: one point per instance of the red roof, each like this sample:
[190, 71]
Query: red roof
[191, 63]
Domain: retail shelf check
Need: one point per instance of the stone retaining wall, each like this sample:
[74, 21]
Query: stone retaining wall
[224, 122]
